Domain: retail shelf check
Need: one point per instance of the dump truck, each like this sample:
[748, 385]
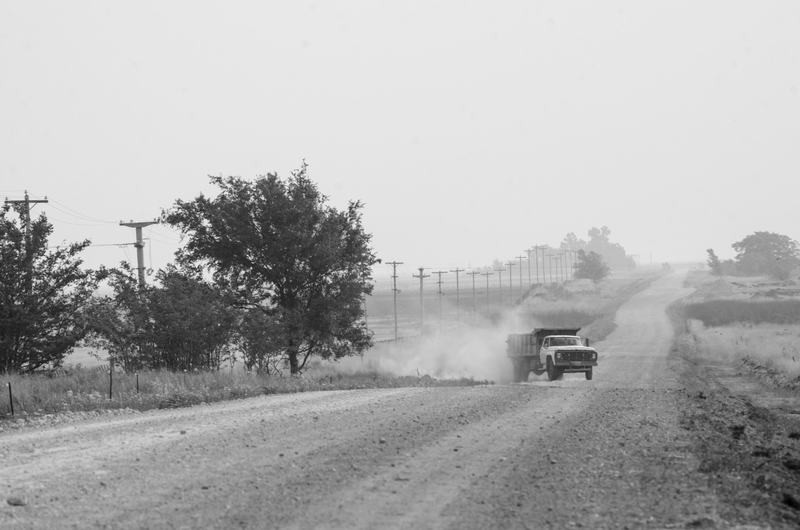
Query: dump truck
[551, 351]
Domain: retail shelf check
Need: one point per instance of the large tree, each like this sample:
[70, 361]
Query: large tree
[590, 265]
[283, 250]
[767, 253]
[43, 293]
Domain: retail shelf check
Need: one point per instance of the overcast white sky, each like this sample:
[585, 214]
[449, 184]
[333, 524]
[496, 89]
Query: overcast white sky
[471, 130]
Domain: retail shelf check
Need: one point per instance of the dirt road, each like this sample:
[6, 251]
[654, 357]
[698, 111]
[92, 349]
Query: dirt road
[607, 453]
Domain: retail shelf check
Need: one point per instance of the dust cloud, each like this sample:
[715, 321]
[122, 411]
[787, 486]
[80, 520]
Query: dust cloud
[473, 350]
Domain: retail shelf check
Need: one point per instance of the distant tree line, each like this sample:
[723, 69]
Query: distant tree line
[760, 253]
[269, 270]
[611, 254]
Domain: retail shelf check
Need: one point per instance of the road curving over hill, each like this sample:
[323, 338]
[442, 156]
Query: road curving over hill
[606, 453]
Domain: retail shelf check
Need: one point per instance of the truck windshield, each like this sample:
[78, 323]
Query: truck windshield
[565, 341]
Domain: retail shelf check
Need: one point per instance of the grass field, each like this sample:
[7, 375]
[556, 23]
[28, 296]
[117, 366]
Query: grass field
[86, 389]
[751, 320]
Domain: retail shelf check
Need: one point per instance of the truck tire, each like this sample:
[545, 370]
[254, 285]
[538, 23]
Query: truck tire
[588, 374]
[553, 373]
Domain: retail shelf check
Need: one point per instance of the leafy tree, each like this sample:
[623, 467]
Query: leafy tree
[192, 322]
[120, 324]
[42, 294]
[612, 253]
[571, 242]
[590, 265]
[182, 323]
[714, 263]
[282, 250]
[257, 334]
[767, 253]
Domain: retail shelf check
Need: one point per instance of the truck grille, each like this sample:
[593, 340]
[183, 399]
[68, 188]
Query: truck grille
[575, 356]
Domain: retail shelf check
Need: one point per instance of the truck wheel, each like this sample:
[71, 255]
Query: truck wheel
[553, 373]
[588, 374]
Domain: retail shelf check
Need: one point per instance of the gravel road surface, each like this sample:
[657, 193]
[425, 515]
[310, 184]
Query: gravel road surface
[606, 453]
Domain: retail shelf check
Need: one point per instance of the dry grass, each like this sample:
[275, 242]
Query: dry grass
[737, 319]
[584, 304]
[774, 346]
[726, 312]
[85, 389]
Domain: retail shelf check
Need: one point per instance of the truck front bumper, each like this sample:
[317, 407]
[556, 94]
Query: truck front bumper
[575, 366]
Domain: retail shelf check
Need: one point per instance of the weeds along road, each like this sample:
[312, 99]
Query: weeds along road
[602, 453]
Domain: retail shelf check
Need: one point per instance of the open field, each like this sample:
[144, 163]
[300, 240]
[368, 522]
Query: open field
[751, 321]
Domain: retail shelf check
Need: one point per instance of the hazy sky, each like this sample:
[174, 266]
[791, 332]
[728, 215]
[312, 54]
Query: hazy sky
[471, 130]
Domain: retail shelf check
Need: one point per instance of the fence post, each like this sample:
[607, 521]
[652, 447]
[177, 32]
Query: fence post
[10, 398]
[137, 382]
[110, 378]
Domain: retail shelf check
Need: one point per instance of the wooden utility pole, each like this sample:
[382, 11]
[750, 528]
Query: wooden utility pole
[510, 282]
[439, 284]
[421, 277]
[536, 250]
[529, 265]
[138, 225]
[474, 301]
[500, 283]
[487, 274]
[458, 296]
[521, 290]
[26, 218]
[395, 290]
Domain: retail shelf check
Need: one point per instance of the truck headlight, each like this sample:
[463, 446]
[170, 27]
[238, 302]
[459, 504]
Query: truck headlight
[558, 355]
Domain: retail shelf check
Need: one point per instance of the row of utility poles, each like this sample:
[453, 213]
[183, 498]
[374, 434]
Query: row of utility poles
[555, 268]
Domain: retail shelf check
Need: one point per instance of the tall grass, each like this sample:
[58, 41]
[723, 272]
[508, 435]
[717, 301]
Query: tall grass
[86, 389]
[724, 312]
[774, 346]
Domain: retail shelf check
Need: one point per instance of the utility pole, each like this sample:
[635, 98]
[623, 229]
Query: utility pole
[487, 274]
[439, 284]
[474, 302]
[536, 250]
[394, 265]
[500, 283]
[521, 290]
[421, 277]
[458, 296]
[138, 225]
[26, 218]
[510, 282]
[529, 265]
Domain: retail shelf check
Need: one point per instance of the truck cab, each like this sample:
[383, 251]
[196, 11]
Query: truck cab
[554, 351]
